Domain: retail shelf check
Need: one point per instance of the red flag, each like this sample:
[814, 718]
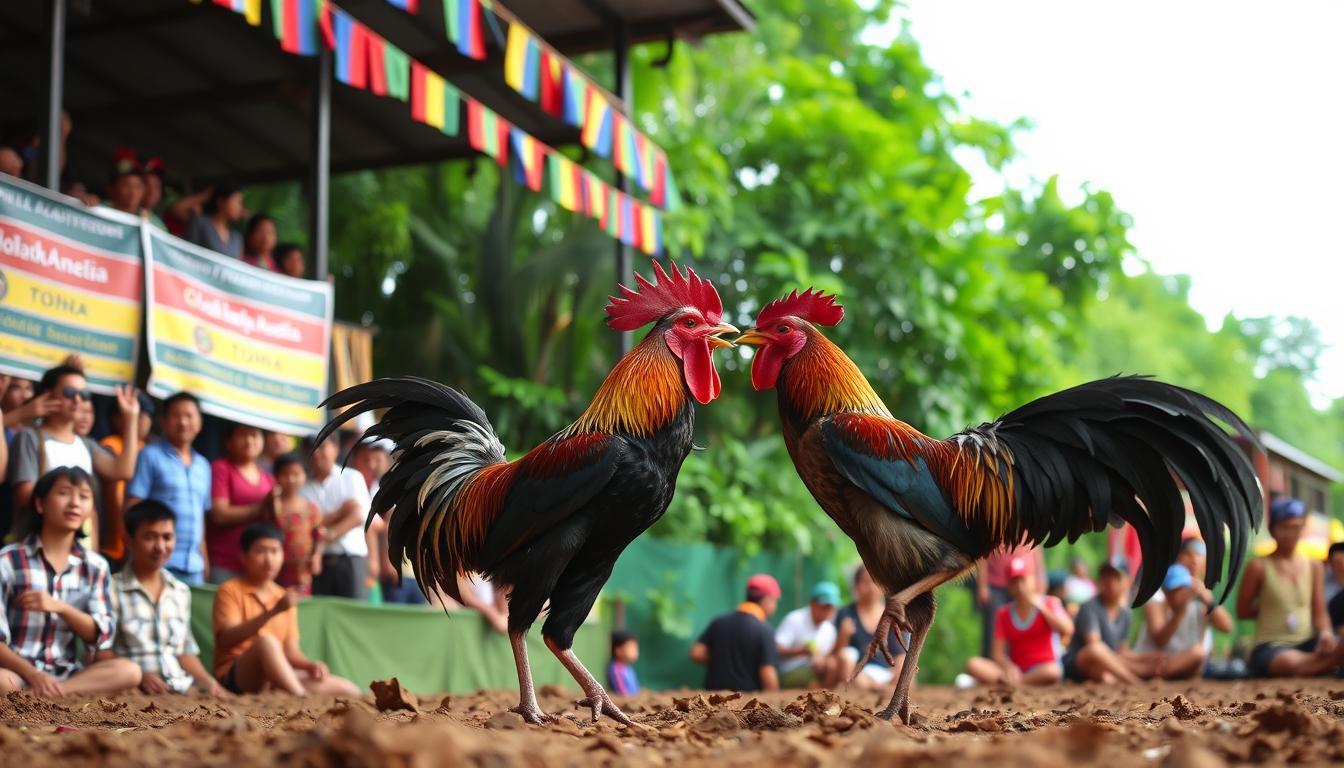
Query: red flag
[377, 64]
[552, 84]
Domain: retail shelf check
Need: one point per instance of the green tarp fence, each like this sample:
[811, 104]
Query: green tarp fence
[428, 651]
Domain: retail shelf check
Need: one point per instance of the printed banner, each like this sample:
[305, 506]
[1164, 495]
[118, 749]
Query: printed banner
[71, 280]
[250, 343]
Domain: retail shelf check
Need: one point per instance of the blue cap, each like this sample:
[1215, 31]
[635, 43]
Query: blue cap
[826, 593]
[1286, 509]
[1196, 546]
[1177, 576]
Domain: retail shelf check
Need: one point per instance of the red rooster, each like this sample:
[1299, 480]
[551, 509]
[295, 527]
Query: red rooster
[922, 511]
[551, 523]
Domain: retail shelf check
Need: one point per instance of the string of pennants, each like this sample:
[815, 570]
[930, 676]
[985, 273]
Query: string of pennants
[365, 60]
[540, 73]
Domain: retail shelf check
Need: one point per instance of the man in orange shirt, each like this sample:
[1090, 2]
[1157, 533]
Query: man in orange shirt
[257, 627]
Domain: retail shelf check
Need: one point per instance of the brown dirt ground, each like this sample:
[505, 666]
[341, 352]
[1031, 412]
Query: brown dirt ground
[1188, 725]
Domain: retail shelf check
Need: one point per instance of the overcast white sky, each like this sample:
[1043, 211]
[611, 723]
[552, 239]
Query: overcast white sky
[1218, 125]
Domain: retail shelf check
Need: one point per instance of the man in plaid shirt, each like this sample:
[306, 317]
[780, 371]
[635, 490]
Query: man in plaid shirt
[153, 608]
[54, 590]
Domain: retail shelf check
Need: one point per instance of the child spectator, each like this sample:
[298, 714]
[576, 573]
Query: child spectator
[240, 494]
[213, 229]
[273, 446]
[54, 590]
[806, 637]
[991, 586]
[126, 186]
[1285, 593]
[289, 260]
[738, 649]
[300, 521]
[153, 608]
[1178, 627]
[621, 678]
[257, 627]
[114, 491]
[1026, 648]
[259, 242]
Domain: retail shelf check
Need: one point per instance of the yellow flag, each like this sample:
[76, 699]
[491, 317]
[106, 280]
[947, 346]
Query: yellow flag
[515, 57]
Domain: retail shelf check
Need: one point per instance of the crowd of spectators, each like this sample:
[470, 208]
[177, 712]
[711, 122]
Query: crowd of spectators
[210, 217]
[1048, 628]
[106, 537]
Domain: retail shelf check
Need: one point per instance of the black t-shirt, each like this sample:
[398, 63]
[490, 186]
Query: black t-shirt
[739, 645]
[862, 637]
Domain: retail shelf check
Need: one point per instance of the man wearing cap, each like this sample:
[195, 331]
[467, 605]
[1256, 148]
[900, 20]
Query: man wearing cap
[805, 638]
[1285, 593]
[1179, 628]
[126, 186]
[738, 649]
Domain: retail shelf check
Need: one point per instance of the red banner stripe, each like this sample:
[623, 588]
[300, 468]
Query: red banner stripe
[124, 278]
[174, 291]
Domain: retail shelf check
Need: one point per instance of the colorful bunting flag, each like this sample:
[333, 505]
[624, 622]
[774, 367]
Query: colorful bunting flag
[377, 62]
[576, 97]
[433, 101]
[597, 124]
[409, 6]
[531, 160]
[397, 66]
[552, 85]
[295, 25]
[351, 49]
[566, 181]
[487, 131]
[250, 9]
[463, 21]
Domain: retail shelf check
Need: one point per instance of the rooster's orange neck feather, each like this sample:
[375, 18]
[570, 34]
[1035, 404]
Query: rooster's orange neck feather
[641, 394]
[821, 380]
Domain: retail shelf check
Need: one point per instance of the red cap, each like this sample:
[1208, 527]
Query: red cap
[1017, 567]
[763, 585]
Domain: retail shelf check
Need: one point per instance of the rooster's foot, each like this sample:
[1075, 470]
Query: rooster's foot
[533, 714]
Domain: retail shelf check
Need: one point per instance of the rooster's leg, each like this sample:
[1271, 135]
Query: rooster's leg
[900, 698]
[597, 697]
[527, 693]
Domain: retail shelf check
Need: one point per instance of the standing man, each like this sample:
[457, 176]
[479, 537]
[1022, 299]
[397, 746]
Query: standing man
[738, 649]
[153, 608]
[171, 472]
[342, 497]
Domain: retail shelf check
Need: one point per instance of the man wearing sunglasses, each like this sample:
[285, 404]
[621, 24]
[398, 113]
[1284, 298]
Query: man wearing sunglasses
[53, 443]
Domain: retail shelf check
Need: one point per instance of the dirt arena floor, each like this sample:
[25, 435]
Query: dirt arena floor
[1190, 725]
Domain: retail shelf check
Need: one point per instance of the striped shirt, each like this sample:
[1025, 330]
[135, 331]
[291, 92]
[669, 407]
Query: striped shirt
[154, 635]
[42, 638]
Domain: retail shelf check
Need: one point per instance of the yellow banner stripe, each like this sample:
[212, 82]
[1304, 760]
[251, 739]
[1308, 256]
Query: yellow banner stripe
[70, 306]
[46, 356]
[242, 399]
[239, 351]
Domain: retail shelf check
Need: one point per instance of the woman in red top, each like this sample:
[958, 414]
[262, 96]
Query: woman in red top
[240, 495]
[1026, 646]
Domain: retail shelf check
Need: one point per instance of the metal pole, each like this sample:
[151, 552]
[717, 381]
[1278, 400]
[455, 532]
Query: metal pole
[320, 171]
[621, 54]
[55, 95]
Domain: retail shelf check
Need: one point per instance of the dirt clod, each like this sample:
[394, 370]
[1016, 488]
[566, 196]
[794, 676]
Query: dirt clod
[389, 696]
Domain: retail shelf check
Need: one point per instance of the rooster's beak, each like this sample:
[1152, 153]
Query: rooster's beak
[751, 337]
[717, 343]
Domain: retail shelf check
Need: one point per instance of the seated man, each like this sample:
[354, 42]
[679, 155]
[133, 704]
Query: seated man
[257, 627]
[1285, 593]
[1099, 650]
[54, 590]
[805, 638]
[738, 649]
[153, 608]
[1026, 635]
[1177, 628]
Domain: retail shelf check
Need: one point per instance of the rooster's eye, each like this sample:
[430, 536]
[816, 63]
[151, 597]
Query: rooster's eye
[690, 322]
[783, 329]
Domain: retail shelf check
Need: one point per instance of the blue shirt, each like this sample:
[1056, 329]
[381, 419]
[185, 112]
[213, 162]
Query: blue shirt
[161, 475]
[621, 678]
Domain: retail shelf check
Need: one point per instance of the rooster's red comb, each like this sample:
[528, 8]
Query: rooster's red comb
[812, 305]
[649, 302]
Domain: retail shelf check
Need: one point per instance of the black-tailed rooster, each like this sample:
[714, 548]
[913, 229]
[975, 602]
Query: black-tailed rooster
[551, 523]
[922, 511]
